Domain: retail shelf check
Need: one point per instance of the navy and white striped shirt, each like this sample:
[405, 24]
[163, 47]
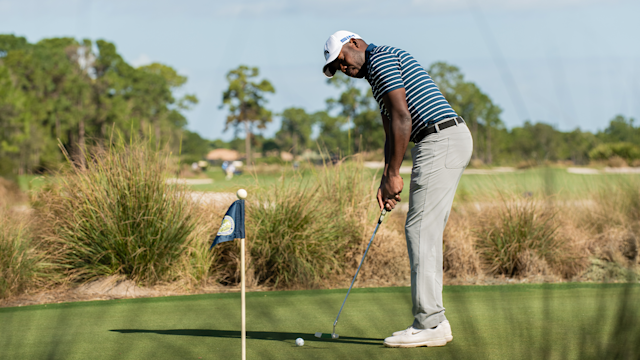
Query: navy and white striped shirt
[390, 68]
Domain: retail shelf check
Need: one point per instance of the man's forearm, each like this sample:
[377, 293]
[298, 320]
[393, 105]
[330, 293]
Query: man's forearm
[396, 144]
[385, 125]
[386, 154]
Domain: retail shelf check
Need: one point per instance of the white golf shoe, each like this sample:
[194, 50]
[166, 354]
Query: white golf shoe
[396, 333]
[412, 337]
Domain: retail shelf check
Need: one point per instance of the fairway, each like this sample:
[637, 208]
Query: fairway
[538, 182]
[491, 322]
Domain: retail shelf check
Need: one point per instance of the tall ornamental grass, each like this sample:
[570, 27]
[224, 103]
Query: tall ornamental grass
[521, 233]
[305, 232]
[117, 215]
[614, 219]
[618, 206]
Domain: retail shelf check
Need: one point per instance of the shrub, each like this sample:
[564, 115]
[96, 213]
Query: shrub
[614, 219]
[617, 205]
[294, 238]
[627, 151]
[270, 160]
[302, 233]
[616, 162]
[522, 232]
[117, 215]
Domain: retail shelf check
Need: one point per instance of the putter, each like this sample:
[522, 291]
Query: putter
[333, 335]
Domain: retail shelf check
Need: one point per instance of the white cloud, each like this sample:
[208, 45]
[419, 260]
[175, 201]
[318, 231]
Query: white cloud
[141, 60]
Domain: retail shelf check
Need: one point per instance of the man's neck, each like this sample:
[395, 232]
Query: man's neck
[367, 55]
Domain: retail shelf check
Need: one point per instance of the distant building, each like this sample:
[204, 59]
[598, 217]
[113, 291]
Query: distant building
[286, 156]
[222, 155]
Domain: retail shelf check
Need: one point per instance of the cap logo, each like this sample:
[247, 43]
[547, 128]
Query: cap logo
[346, 38]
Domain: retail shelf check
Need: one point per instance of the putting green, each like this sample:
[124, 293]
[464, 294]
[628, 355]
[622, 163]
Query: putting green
[492, 322]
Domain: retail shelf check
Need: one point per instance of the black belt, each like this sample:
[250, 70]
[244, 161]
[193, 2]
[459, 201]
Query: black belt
[424, 132]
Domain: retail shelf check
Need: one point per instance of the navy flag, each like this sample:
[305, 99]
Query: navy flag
[232, 224]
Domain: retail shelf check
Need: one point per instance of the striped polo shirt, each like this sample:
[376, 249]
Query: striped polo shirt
[390, 68]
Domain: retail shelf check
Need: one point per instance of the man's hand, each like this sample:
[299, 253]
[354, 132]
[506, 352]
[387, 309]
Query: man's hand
[389, 191]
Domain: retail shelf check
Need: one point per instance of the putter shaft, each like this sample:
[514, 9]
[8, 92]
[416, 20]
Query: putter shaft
[384, 211]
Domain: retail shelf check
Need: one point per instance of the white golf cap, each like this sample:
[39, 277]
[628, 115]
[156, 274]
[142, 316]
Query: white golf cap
[333, 46]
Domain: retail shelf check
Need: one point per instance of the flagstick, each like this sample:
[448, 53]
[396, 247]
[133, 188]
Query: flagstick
[244, 314]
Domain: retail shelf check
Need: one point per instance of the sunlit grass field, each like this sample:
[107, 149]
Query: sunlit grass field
[556, 183]
[539, 182]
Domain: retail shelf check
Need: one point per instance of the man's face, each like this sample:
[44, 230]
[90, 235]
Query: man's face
[351, 60]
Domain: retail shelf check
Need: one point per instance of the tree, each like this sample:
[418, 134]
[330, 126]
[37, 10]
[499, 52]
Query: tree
[368, 123]
[620, 129]
[448, 77]
[331, 137]
[575, 146]
[161, 82]
[539, 141]
[194, 147]
[478, 110]
[295, 131]
[350, 103]
[12, 101]
[246, 100]
[61, 89]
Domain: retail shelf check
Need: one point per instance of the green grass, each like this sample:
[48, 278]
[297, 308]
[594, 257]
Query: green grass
[490, 322]
[539, 182]
[246, 180]
[31, 182]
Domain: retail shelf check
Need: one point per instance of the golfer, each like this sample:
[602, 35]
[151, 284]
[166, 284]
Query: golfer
[412, 109]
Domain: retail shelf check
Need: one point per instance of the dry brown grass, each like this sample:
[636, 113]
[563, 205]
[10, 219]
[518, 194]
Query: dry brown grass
[21, 262]
[460, 258]
[387, 263]
[592, 240]
[10, 193]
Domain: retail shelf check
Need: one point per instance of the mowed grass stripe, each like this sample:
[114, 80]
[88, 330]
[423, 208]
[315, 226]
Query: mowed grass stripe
[497, 322]
[539, 182]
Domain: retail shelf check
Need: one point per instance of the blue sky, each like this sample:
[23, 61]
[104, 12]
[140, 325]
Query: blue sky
[574, 63]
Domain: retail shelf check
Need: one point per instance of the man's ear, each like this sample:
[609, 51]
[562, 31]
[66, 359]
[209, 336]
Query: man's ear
[354, 42]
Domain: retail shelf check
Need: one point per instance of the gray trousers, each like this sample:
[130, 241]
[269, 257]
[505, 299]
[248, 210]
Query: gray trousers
[438, 163]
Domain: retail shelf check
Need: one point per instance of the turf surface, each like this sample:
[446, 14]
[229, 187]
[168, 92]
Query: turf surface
[492, 322]
[538, 182]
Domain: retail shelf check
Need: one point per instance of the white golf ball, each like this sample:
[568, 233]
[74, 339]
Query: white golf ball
[299, 341]
[242, 194]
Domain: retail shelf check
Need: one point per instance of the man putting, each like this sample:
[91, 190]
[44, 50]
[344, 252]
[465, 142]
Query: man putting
[412, 109]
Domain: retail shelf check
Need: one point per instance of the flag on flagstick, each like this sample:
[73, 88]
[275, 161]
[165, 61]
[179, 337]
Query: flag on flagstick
[232, 224]
[233, 228]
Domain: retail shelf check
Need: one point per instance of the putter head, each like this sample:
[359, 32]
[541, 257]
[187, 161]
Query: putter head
[326, 336]
[335, 336]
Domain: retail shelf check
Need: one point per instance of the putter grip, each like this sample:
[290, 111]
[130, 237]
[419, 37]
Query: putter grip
[382, 214]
